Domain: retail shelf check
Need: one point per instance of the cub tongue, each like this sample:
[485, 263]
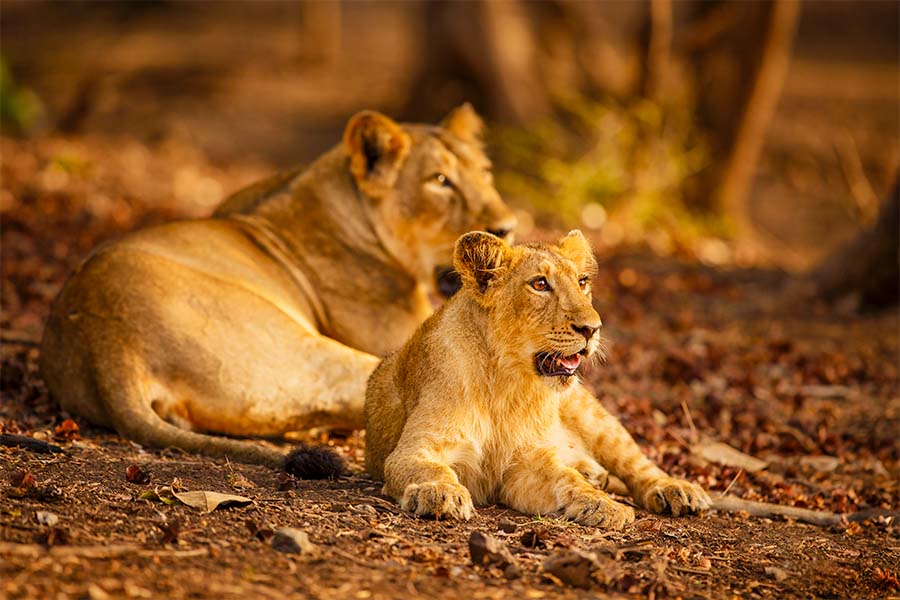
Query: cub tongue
[570, 363]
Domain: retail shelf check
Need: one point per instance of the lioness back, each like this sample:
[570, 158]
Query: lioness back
[269, 316]
[483, 403]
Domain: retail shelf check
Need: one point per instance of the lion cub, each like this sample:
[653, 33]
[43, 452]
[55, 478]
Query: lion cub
[483, 403]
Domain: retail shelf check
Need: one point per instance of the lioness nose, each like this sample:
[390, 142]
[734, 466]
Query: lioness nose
[586, 330]
[500, 233]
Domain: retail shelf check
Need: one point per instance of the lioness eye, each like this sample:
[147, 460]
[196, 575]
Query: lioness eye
[442, 179]
[540, 284]
[583, 282]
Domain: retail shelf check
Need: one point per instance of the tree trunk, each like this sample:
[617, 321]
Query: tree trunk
[481, 51]
[869, 265]
[737, 174]
[739, 53]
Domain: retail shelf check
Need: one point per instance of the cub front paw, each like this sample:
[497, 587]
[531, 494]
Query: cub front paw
[438, 499]
[599, 511]
[670, 495]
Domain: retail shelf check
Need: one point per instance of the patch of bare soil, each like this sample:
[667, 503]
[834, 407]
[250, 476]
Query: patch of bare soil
[694, 355]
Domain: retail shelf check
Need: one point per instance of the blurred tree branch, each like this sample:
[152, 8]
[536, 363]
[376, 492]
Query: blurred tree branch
[737, 174]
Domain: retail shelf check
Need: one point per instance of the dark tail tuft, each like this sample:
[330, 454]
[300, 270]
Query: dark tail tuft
[314, 462]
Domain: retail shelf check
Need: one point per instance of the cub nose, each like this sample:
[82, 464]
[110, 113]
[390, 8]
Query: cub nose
[587, 331]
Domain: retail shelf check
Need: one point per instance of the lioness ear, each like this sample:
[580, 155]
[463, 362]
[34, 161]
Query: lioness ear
[464, 123]
[576, 248]
[377, 147]
[478, 258]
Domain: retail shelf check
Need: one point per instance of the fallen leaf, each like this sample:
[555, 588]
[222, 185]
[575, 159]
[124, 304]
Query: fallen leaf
[823, 463]
[535, 538]
[260, 531]
[572, 567]
[292, 541]
[137, 475]
[66, 431]
[487, 550]
[507, 526]
[53, 536]
[724, 454]
[210, 501]
[46, 518]
[170, 528]
[21, 480]
[162, 494]
[239, 482]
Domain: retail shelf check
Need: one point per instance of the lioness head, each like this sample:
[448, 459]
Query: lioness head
[427, 185]
[538, 298]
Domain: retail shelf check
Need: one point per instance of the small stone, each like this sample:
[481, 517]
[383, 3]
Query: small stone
[136, 475]
[487, 550]
[507, 526]
[572, 567]
[512, 571]
[95, 592]
[46, 518]
[535, 538]
[364, 509]
[293, 541]
[776, 573]
[239, 482]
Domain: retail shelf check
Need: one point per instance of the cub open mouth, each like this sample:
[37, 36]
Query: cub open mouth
[554, 365]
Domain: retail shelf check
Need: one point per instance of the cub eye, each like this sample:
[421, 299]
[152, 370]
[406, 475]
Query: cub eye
[584, 282]
[540, 284]
[442, 180]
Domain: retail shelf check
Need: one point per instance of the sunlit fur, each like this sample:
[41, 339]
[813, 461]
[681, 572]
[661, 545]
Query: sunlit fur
[270, 316]
[460, 416]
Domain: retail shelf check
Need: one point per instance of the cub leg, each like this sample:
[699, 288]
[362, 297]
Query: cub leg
[539, 483]
[614, 448]
[418, 475]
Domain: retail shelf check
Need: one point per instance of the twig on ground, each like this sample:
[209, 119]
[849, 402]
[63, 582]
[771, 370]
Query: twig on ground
[814, 517]
[28, 443]
[733, 481]
[690, 421]
[112, 551]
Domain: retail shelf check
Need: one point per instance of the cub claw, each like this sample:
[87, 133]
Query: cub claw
[599, 511]
[675, 496]
[438, 499]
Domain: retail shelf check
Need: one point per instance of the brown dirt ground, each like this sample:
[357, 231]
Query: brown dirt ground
[694, 353]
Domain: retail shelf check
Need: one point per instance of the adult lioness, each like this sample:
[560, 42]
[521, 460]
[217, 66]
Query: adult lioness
[483, 404]
[269, 316]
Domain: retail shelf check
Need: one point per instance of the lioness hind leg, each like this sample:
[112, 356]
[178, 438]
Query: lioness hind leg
[540, 484]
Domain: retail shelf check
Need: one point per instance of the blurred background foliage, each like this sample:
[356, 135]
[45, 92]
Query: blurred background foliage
[20, 108]
[616, 169]
[729, 132]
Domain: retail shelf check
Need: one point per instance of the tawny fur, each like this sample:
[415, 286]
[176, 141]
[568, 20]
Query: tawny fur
[460, 416]
[269, 316]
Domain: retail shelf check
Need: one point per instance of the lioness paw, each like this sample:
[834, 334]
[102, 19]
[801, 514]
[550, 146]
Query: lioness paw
[675, 496]
[438, 499]
[599, 511]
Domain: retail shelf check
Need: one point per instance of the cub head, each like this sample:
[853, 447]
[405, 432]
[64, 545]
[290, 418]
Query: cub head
[427, 185]
[538, 299]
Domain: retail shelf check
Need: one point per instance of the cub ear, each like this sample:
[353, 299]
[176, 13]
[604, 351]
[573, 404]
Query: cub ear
[478, 258]
[377, 147]
[464, 123]
[576, 248]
